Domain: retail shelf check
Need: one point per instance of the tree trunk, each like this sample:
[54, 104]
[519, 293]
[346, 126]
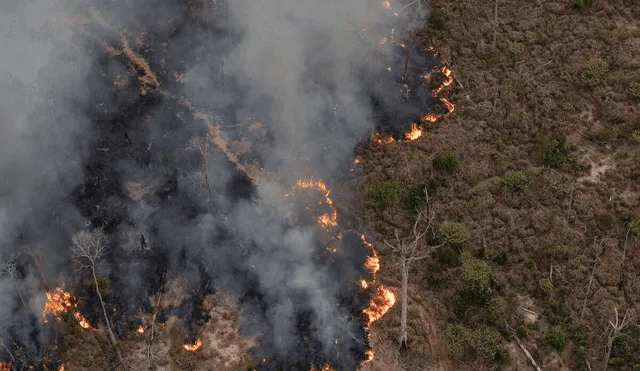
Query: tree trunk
[206, 179]
[608, 351]
[106, 319]
[403, 298]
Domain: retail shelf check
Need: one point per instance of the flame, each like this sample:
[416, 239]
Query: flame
[5, 366]
[382, 300]
[415, 133]
[192, 347]
[385, 4]
[383, 41]
[81, 320]
[369, 354]
[59, 302]
[326, 220]
[61, 368]
[140, 329]
[380, 304]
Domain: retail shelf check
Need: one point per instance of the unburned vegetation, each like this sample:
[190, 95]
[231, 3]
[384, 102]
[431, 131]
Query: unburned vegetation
[534, 183]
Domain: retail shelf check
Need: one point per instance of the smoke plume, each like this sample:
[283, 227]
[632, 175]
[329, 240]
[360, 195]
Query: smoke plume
[184, 124]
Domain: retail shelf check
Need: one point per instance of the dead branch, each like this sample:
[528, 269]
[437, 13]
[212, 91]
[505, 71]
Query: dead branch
[593, 271]
[614, 332]
[495, 27]
[526, 353]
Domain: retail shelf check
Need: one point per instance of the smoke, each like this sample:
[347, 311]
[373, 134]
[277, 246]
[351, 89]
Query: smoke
[85, 141]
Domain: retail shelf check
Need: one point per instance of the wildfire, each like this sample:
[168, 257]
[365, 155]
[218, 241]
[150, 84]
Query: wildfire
[140, 329]
[192, 347]
[5, 366]
[81, 320]
[61, 368]
[60, 301]
[326, 220]
[382, 300]
[385, 4]
[415, 133]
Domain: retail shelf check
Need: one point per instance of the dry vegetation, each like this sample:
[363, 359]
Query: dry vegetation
[539, 163]
[222, 346]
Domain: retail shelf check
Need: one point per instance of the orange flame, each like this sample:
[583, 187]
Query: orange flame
[81, 320]
[415, 133]
[5, 366]
[326, 220]
[192, 347]
[385, 4]
[380, 304]
[61, 368]
[140, 329]
[382, 300]
[59, 302]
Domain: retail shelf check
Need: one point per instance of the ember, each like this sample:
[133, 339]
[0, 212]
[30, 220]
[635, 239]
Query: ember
[140, 329]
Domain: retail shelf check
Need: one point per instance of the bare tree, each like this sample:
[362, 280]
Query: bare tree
[87, 249]
[9, 269]
[614, 332]
[409, 249]
[202, 145]
[633, 227]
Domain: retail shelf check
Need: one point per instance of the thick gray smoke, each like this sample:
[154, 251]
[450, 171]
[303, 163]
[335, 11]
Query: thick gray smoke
[301, 68]
[43, 138]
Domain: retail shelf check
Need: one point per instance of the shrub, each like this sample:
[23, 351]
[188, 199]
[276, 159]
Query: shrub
[593, 72]
[384, 194]
[446, 256]
[582, 4]
[475, 271]
[438, 18]
[634, 90]
[446, 163]
[474, 343]
[553, 150]
[516, 181]
[416, 198]
[557, 340]
[604, 221]
[546, 286]
[454, 233]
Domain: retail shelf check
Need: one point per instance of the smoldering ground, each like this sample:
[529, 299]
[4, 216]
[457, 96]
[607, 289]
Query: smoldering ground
[104, 138]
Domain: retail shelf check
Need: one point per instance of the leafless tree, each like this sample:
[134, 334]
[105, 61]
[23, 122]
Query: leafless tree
[9, 269]
[88, 247]
[599, 249]
[412, 248]
[202, 145]
[614, 332]
[633, 227]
